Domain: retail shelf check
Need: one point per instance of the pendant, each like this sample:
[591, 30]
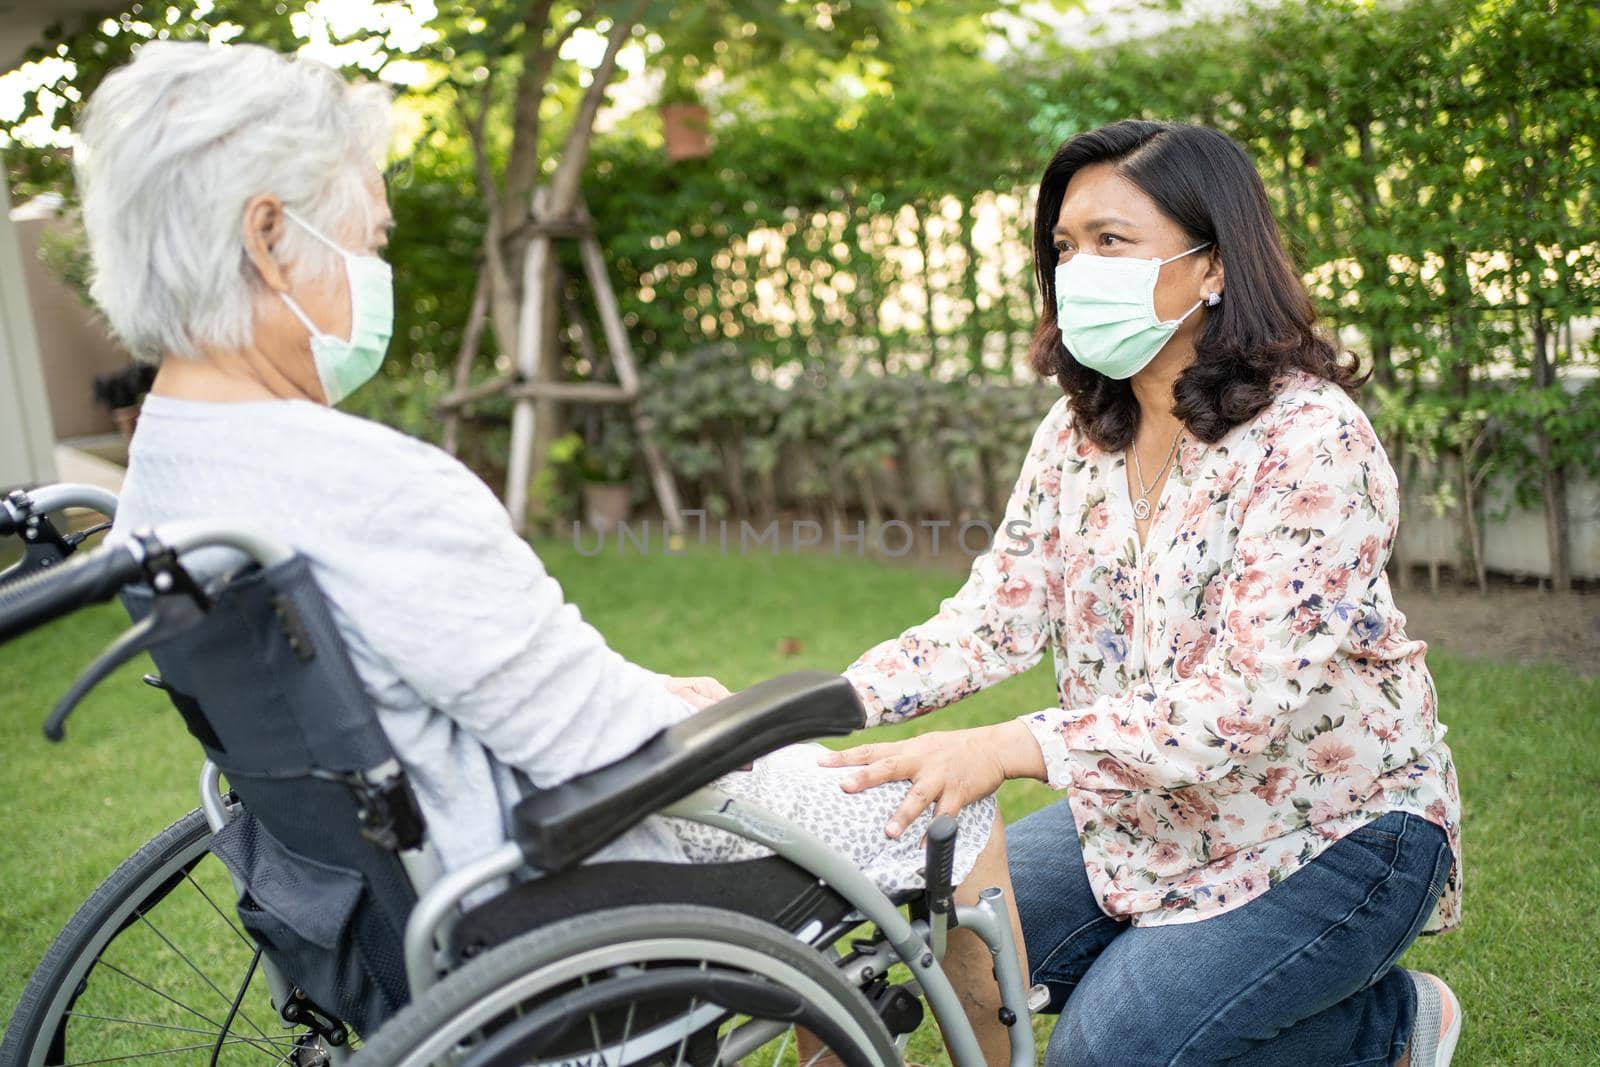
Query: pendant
[1141, 509]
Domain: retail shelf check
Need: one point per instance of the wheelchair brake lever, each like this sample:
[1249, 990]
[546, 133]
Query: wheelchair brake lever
[170, 615]
[43, 548]
[937, 876]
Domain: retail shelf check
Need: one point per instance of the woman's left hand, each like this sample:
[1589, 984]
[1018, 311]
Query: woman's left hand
[949, 770]
[698, 692]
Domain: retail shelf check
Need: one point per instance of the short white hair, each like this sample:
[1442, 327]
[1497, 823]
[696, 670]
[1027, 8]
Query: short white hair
[171, 148]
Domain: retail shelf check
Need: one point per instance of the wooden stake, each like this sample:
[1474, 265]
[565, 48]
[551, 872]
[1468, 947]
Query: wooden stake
[524, 387]
[530, 331]
[471, 338]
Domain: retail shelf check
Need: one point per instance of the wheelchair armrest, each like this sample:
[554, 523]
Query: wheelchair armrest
[556, 828]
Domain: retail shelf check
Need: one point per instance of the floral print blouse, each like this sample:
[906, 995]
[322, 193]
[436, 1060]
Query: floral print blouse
[1236, 694]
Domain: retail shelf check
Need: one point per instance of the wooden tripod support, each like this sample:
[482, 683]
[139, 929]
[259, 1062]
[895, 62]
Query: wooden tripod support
[523, 386]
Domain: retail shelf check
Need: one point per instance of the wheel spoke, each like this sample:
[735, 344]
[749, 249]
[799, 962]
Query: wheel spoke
[293, 1048]
[594, 1028]
[203, 976]
[722, 1046]
[627, 1028]
[249, 944]
[783, 1046]
[688, 1024]
[167, 1052]
[252, 1041]
[168, 1026]
[196, 1012]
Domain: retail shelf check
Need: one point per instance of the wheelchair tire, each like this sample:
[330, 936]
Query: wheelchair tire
[601, 959]
[61, 1017]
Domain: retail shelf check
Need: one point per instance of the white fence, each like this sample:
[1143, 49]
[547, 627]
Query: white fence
[1514, 543]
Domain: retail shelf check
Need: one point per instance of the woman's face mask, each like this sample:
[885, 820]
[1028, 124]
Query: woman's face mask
[1105, 306]
[345, 366]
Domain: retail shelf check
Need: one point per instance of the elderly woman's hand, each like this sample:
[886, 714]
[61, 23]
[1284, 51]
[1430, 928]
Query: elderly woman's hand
[950, 769]
[698, 692]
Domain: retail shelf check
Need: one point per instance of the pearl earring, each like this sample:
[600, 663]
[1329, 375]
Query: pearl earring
[1213, 299]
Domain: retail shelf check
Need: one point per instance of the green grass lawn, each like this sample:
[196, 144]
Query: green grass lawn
[1526, 965]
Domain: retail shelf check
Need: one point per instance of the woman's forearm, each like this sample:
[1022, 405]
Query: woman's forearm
[1017, 750]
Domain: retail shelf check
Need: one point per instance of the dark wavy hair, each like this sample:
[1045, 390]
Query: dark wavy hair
[1265, 325]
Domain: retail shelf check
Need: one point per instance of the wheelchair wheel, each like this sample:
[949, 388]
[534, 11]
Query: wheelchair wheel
[150, 967]
[672, 985]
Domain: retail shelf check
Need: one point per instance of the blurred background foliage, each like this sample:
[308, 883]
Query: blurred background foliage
[832, 306]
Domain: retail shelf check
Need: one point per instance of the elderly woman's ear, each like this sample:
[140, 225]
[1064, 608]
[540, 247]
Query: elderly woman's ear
[262, 230]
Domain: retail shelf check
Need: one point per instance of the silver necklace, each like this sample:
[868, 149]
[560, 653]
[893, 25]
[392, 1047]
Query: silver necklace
[1141, 505]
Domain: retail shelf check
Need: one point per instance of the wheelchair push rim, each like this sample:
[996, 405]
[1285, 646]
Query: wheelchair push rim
[634, 986]
[148, 969]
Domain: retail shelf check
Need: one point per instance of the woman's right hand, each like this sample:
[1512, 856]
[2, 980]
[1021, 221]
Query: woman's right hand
[949, 769]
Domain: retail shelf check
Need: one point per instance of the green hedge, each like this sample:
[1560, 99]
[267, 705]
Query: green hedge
[1433, 164]
[898, 447]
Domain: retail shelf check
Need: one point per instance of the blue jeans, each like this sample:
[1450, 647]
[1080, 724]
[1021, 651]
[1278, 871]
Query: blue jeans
[1302, 976]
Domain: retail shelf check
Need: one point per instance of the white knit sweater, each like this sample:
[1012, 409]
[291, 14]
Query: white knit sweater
[476, 663]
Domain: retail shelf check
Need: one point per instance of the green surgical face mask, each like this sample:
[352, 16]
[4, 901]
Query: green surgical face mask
[345, 366]
[1105, 306]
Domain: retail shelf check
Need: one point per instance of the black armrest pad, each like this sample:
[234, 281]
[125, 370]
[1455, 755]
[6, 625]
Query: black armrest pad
[558, 827]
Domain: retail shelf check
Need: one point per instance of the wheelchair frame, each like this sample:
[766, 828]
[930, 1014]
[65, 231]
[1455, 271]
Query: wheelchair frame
[919, 944]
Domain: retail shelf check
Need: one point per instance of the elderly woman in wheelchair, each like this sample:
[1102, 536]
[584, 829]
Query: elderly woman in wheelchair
[458, 823]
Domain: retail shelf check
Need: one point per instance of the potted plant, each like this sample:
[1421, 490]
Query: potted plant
[607, 467]
[685, 123]
[121, 392]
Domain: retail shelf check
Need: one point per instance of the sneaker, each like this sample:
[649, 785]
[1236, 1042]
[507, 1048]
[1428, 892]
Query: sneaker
[1438, 1025]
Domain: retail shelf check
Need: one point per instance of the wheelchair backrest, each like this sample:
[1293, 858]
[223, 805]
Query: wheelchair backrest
[265, 683]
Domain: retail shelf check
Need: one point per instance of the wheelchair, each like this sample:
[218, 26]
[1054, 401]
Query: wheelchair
[348, 942]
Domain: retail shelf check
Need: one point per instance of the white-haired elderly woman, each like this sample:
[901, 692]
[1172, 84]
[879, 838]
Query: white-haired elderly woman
[236, 219]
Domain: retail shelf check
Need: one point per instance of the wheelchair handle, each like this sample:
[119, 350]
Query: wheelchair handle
[87, 579]
[96, 577]
[19, 507]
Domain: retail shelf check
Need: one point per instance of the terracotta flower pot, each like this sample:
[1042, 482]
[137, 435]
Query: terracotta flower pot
[686, 130]
[606, 506]
[126, 419]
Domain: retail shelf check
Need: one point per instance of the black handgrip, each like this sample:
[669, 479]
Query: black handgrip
[88, 579]
[941, 865]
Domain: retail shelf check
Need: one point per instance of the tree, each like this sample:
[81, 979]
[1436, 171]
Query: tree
[502, 66]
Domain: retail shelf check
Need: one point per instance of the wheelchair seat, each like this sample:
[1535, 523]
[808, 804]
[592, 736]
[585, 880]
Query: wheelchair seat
[771, 889]
[560, 826]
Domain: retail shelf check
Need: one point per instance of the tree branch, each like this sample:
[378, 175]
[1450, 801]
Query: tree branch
[575, 153]
[474, 125]
[503, 301]
[585, 13]
[522, 164]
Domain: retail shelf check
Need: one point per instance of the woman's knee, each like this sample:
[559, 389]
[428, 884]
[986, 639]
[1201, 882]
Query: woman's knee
[1094, 1033]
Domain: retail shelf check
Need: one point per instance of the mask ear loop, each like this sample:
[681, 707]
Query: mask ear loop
[1175, 323]
[325, 239]
[344, 256]
[1150, 297]
[1164, 262]
[305, 320]
[1179, 320]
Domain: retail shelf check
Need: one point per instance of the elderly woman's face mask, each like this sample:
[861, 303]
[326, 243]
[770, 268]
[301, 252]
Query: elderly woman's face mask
[345, 366]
